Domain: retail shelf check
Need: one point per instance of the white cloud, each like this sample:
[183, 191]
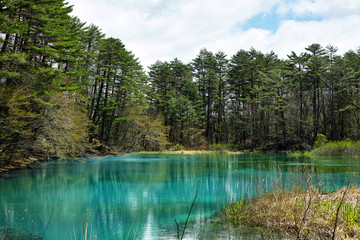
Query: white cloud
[343, 33]
[322, 8]
[163, 29]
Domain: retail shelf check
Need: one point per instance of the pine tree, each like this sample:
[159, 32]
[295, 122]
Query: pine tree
[314, 76]
[175, 96]
[204, 72]
[39, 43]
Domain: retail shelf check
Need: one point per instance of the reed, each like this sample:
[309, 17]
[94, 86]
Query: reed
[302, 213]
[87, 232]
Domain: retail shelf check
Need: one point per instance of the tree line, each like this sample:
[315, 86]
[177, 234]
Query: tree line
[64, 87]
[254, 100]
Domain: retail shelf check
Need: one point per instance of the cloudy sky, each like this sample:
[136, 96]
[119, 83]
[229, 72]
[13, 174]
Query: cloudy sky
[165, 29]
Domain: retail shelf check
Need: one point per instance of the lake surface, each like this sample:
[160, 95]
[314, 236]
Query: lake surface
[140, 196]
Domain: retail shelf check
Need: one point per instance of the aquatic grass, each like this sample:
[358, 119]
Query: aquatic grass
[87, 230]
[302, 213]
[22, 228]
[15, 234]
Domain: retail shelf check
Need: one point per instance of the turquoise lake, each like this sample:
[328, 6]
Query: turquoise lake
[140, 196]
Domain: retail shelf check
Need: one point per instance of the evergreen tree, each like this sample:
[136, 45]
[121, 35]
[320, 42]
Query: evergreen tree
[221, 133]
[63, 83]
[204, 72]
[297, 75]
[315, 73]
[175, 97]
[38, 43]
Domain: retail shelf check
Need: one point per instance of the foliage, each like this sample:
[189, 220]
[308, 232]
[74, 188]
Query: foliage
[64, 130]
[174, 96]
[221, 147]
[56, 76]
[321, 139]
[39, 46]
[177, 147]
[143, 132]
[55, 70]
[341, 148]
[18, 121]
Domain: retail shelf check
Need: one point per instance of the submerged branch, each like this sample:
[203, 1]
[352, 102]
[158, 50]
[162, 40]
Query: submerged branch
[192, 205]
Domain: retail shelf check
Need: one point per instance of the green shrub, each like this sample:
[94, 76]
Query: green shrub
[220, 147]
[321, 139]
[341, 148]
[177, 147]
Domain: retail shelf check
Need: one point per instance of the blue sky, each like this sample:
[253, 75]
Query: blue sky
[165, 29]
[271, 20]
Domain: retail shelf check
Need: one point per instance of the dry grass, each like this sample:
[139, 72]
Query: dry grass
[186, 152]
[303, 214]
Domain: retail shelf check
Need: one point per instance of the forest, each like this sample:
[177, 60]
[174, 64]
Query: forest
[65, 88]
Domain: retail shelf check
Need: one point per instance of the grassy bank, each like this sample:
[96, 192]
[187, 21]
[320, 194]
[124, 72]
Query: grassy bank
[339, 149]
[186, 152]
[212, 148]
[309, 214]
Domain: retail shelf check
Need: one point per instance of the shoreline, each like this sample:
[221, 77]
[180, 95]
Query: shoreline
[189, 152]
[27, 162]
[20, 164]
[106, 151]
